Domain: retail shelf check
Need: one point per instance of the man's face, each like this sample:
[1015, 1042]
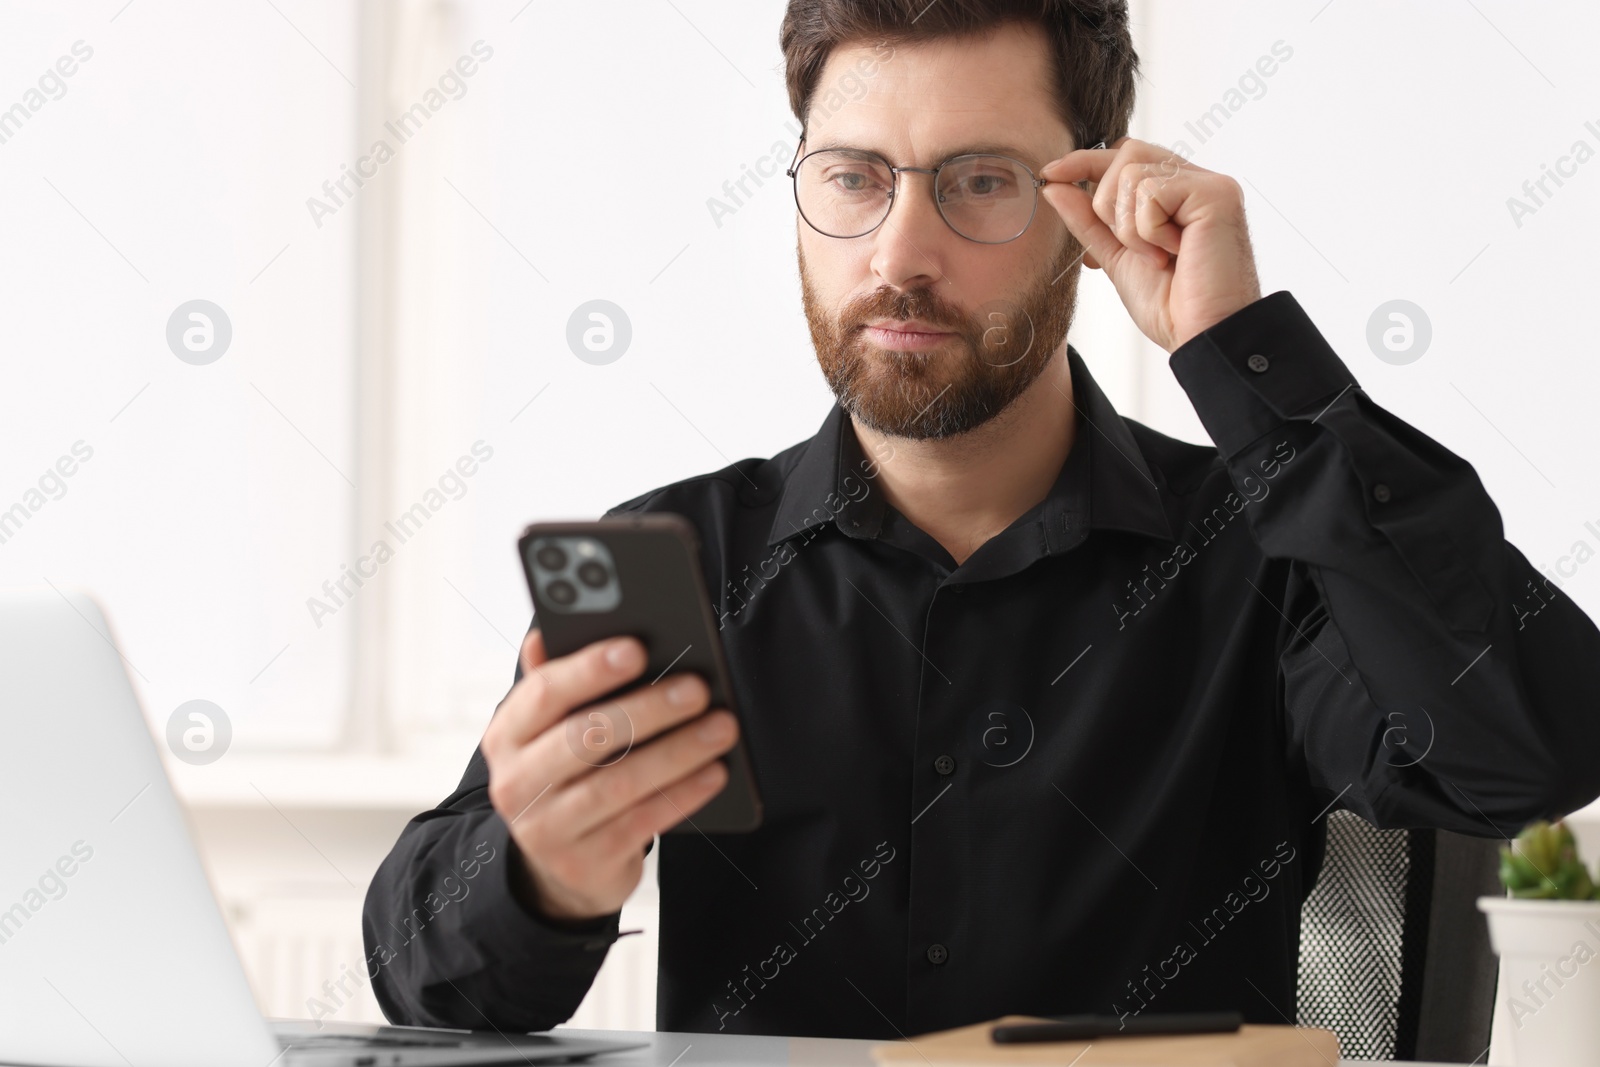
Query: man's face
[994, 313]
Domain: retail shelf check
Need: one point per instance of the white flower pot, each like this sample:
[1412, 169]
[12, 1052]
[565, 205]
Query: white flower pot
[1550, 970]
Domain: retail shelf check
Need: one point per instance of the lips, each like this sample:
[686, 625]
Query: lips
[908, 326]
[907, 335]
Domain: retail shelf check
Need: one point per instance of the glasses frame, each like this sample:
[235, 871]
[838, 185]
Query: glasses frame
[933, 189]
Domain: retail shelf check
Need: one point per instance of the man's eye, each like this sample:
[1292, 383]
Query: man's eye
[983, 184]
[853, 182]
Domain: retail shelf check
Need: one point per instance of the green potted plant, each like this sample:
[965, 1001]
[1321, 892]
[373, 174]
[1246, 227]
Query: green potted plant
[1547, 934]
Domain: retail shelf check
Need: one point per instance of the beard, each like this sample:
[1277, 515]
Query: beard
[998, 350]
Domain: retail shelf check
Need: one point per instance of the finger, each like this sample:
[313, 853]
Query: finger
[1079, 165]
[1154, 213]
[604, 733]
[1127, 205]
[1195, 194]
[529, 656]
[602, 795]
[1077, 211]
[1083, 164]
[532, 653]
[555, 687]
[665, 808]
[1150, 194]
[1108, 195]
[618, 844]
[1113, 201]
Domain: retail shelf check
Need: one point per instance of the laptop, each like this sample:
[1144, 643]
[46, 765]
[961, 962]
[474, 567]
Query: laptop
[113, 952]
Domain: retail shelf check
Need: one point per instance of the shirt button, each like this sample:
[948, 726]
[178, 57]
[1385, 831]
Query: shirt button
[937, 954]
[944, 765]
[1380, 493]
[1258, 363]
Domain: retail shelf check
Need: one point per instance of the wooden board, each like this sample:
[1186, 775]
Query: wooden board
[1277, 1046]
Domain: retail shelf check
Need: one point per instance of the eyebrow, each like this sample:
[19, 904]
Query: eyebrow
[985, 149]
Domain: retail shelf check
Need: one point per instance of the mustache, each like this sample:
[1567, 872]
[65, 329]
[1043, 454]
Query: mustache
[885, 303]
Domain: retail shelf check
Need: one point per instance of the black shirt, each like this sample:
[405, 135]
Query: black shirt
[1084, 771]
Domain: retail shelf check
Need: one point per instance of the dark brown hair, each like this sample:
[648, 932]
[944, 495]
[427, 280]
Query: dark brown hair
[1095, 64]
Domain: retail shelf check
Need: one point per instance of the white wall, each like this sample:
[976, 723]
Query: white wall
[172, 164]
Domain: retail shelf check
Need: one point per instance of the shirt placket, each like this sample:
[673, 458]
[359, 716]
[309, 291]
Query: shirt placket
[938, 941]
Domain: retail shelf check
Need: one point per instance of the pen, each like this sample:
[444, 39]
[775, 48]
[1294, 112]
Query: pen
[1075, 1027]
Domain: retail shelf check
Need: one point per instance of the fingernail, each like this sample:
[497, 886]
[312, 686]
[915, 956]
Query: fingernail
[717, 727]
[623, 654]
[681, 691]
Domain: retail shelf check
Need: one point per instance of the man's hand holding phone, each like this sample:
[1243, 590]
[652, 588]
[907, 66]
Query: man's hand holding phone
[582, 828]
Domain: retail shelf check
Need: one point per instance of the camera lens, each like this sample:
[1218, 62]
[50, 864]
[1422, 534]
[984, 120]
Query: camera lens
[593, 574]
[551, 557]
[561, 592]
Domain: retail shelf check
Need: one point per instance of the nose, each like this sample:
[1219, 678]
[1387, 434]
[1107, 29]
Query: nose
[910, 243]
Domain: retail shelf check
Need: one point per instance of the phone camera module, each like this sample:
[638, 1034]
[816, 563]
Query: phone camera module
[574, 574]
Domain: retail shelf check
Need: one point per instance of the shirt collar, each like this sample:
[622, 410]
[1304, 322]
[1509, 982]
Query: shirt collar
[834, 480]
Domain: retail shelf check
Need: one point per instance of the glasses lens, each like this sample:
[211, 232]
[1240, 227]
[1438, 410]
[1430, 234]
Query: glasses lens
[843, 193]
[986, 198]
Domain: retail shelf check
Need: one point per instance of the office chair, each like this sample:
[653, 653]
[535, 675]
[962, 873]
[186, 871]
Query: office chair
[1394, 956]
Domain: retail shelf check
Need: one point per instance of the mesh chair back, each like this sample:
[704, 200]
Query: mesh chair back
[1394, 957]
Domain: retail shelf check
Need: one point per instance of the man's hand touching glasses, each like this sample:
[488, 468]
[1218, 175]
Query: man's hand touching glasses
[1170, 235]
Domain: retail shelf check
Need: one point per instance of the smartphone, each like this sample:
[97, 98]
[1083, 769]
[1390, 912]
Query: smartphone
[637, 575]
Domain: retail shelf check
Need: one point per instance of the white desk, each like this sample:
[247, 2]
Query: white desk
[702, 1049]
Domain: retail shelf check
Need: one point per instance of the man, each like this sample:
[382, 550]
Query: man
[1047, 709]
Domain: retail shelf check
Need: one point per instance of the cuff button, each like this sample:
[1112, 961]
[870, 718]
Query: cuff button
[1258, 363]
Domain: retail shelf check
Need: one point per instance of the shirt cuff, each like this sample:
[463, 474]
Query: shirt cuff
[504, 911]
[1258, 368]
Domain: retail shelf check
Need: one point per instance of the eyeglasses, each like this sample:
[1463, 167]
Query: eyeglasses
[847, 192]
